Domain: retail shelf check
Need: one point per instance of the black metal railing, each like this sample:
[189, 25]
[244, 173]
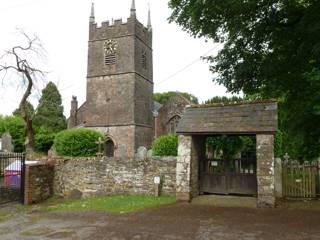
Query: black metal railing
[12, 174]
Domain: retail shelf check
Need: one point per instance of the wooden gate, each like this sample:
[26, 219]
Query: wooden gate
[234, 176]
[300, 180]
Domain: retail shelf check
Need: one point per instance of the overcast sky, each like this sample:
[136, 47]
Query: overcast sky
[62, 26]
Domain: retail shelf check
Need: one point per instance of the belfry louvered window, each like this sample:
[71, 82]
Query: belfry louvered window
[110, 59]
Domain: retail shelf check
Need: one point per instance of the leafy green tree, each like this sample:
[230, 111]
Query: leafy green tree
[50, 110]
[164, 97]
[16, 126]
[223, 99]
[271, 48]
[30, 110]
[21, 60]
[231, 145]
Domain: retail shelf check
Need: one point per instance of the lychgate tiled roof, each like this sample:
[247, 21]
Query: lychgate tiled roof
[247, 117]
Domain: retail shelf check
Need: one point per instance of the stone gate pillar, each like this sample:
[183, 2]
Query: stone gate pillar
[265, 171]
[183, 171]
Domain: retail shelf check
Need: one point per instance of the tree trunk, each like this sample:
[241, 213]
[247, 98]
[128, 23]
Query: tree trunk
[30, 134]
[25, 114]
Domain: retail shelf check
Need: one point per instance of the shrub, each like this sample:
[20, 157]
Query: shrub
[77, 142]
[165, 146]
[43, 139]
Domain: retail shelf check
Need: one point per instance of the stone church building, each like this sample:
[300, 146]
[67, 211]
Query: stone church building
[119, 92]
[119, 103]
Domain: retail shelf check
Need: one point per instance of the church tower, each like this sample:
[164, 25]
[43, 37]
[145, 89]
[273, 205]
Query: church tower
[120, 83]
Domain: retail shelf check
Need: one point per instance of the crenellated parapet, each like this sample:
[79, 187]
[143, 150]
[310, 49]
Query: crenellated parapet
[118, 29]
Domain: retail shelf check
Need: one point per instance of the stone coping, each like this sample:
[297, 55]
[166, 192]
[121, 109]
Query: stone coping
[155, 158]
[244, 102]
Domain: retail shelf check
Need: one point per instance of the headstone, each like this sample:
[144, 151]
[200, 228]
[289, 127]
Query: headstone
[123, 151]
[52, 152]
[149, 153]
[286, 157]
[75, 194]
[142, 153]
[6, 143]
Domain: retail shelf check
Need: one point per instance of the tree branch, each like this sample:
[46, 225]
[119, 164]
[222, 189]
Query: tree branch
[19, 60]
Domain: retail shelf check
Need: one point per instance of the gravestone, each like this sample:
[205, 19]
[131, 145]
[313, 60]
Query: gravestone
[6, 143]
[142, 153]
[123, 152]
[52, 153]
[149, 154]
[75, 194]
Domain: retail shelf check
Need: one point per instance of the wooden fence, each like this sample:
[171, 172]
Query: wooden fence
[300, 180]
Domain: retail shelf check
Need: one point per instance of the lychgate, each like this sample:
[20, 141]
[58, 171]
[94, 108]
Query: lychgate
[193, 174]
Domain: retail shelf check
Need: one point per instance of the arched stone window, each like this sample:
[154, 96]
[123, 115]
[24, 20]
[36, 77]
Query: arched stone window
[109, 148]
[173, 124]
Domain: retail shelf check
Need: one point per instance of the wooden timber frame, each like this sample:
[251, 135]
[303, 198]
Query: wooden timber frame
[259, 118]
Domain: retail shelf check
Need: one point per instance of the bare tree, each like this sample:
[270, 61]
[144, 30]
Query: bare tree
[21, 60]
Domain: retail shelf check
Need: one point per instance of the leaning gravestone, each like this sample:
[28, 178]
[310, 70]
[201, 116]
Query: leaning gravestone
[6, 143]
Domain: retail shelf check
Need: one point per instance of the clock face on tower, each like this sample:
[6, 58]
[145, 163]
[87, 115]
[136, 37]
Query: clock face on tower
[110, 46]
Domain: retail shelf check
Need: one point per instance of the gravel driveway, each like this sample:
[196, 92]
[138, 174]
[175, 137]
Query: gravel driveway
[178, 221]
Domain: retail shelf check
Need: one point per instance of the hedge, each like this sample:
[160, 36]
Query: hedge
[43, 139]
[166, 145]
[79, 142]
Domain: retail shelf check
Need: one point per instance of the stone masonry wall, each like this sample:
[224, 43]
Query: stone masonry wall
[265, 171]
[38, 183]
[112, 176]
[123, 138]
[184, 168]
[190, 151]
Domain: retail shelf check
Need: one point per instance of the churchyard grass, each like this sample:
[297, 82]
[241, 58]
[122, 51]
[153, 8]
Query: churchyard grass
[113, 204]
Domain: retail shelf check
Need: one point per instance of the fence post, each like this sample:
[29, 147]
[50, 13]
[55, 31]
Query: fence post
[22, 178]
[278, 178]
